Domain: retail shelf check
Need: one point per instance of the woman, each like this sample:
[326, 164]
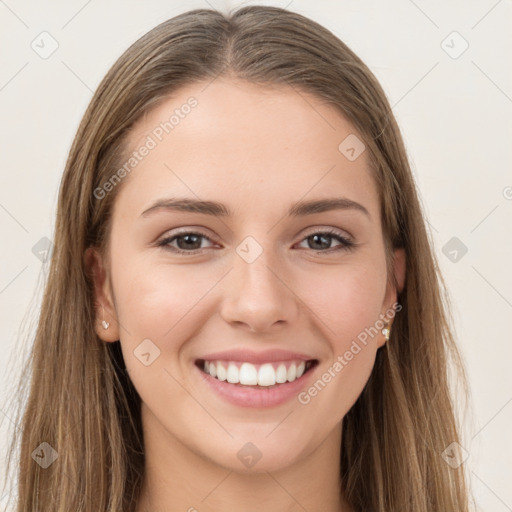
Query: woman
[243, 309]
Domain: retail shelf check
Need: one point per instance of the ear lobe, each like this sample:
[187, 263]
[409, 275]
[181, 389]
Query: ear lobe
[399, 268]
[105, 322]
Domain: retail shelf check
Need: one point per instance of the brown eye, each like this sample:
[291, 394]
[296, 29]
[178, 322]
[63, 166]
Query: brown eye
[187, 242]
[320, 241]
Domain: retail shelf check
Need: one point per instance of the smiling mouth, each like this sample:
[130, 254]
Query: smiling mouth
[256, 375]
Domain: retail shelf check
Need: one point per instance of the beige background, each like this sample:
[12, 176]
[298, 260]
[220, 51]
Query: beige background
[455, 112]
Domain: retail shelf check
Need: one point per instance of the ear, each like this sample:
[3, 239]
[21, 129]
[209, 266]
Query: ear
[399, 266]
[104, 304]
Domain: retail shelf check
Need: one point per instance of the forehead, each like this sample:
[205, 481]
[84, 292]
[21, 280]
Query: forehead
[255, 148]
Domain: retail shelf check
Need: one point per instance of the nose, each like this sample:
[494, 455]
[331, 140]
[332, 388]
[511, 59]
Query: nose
[258, 296]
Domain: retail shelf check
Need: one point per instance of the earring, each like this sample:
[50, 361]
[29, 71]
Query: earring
[104, 323]
[386, 331]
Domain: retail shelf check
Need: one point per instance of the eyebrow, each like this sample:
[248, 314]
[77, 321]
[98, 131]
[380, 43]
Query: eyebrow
[300, 209]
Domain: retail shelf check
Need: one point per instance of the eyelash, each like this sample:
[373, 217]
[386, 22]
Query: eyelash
[347, 245]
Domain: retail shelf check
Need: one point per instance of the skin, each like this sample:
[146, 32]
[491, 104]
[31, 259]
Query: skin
[257, 150]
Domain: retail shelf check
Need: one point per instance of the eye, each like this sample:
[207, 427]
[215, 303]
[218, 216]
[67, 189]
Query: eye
[189, 242]
[323, 239]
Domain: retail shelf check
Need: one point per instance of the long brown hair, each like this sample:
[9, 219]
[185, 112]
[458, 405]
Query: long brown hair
[81, 400]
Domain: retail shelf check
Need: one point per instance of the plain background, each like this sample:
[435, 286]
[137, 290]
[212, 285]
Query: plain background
[453, 105]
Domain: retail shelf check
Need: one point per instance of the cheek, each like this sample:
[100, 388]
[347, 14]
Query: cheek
[155, 299]
[160, 309]
[345, 300]
[167, 305]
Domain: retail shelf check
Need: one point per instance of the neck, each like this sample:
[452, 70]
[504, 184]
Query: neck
[177, 478]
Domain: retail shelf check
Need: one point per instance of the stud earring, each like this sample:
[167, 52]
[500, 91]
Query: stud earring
[386, 331]
[104, 323]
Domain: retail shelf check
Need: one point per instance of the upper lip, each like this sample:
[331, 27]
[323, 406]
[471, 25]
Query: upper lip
[249, 356]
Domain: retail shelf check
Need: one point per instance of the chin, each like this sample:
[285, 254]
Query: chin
[258, 454]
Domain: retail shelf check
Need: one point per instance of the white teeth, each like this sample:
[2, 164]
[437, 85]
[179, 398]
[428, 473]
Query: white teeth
[292, 372]
[221, 371]
[281, 374]
[266, 375]
[233, 374]
[248, 374]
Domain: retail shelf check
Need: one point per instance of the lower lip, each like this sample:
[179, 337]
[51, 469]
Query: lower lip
[248, 396]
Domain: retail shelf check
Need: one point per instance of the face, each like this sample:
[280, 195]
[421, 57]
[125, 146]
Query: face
[265, 290]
